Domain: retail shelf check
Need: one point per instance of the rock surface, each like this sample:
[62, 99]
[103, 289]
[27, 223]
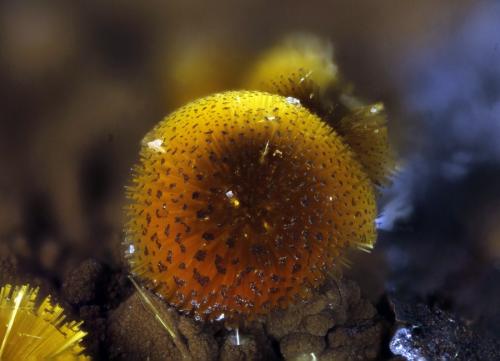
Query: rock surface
[434, 334]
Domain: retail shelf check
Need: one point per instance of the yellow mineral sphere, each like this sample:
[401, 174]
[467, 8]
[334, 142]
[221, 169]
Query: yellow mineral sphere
[242, 202]
[302, 67]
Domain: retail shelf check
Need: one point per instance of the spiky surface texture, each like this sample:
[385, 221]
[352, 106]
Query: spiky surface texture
[32, 332]
[298, 59]
[241, 202]
[303, 67]
[365, 130]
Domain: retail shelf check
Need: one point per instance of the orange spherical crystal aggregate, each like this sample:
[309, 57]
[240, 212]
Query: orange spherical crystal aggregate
[242, 202]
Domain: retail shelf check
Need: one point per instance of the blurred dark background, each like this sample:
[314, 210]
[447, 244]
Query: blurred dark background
[82, 82]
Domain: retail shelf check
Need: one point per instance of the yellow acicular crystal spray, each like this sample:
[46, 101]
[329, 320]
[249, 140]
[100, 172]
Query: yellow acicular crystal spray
[31, 331]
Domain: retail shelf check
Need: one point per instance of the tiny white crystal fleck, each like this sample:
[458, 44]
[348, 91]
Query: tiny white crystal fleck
[156, 145]
[293, 101]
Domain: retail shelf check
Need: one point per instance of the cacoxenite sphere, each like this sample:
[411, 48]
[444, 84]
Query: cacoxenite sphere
[301, 66]
[241, 202]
